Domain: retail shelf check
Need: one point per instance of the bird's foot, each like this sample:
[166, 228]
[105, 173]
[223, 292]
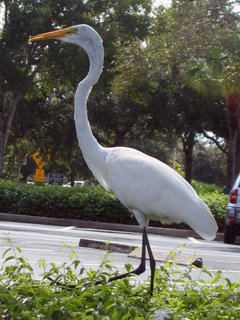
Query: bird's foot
[64, 286]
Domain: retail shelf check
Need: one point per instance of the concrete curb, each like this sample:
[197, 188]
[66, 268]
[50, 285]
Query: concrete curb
[101, 225]
[136, 252]
[114, 247]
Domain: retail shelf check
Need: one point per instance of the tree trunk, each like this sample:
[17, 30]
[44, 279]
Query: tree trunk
[188, 141]
[119, 140]
[233, 108]
[6, 117]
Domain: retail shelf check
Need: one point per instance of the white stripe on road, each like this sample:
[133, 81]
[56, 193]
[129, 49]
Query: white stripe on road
[66, 228]
[228, 261]
[34, 249]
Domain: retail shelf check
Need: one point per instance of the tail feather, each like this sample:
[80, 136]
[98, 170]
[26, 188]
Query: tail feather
[205, 225]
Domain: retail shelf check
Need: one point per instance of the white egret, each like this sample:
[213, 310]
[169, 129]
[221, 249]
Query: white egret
[147, 187]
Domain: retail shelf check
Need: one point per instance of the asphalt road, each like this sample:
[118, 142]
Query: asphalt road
[54, 244]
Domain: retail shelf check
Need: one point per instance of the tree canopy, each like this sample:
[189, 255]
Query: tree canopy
[166, 77]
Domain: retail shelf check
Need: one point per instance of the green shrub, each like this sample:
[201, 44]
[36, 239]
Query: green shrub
[202, 187]
[87, 203]
[176, 296]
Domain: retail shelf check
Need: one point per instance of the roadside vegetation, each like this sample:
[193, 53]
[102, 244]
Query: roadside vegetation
[176, 296]
[87, 203]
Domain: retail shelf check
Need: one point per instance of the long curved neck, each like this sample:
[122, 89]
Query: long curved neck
[87, 142]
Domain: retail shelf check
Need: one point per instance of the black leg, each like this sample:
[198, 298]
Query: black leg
[151, 259]
[140, 269]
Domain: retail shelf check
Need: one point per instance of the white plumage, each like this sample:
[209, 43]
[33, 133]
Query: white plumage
[153, 190]
[147, 187]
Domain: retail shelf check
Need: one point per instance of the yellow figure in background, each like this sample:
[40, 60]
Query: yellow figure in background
[40, 162]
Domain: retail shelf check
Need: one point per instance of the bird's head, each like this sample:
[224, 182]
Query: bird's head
[87, 38]
[82, 35]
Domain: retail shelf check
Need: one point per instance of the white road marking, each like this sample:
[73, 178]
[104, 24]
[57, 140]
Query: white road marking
[66, 228]
[223, 271]
[228, 261]
[34, 249]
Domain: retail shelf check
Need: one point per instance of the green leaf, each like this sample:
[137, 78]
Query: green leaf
[18, 249]
[72, 255]
[9, 258]
[42, 263]
[5, 252]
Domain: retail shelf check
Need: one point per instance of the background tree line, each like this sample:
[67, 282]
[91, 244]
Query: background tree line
[170, 77]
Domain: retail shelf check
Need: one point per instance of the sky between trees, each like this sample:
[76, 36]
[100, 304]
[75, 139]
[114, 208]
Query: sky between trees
[163, 2]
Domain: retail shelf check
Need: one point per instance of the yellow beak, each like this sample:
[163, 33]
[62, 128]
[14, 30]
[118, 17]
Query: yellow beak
[52, 35]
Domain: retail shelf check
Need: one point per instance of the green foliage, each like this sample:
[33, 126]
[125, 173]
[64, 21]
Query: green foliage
[203, 188]
[176, 296]
[87, 203]
[177, 167]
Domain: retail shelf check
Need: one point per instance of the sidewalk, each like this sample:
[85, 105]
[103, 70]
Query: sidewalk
[101, 225]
